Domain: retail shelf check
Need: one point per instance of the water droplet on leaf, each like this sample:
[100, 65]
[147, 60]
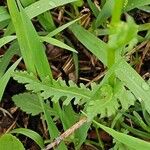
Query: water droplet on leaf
[139, 99]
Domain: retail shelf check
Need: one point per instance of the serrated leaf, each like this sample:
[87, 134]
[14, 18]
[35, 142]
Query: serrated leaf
[30, 103]
[99, 104]
[58, 90]
[8, 141]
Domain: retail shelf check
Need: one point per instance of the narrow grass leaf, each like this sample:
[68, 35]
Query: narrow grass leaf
[14, 49]
[22, 35]
[9, 141]
[61, 28]
[104, 13]
[58, 43]
[41, 6]
[91, 42]
[93, 8]
[5, 78]
[31, 134]
[6, 40]
[130, 141]
[4, 15]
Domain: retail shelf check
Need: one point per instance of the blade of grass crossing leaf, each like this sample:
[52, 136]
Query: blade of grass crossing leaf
[52, 128]
[3, 24]
[145, 8]
[130, 141]
[26, 3]
[5, 78]
[31, 134]
[10, 29]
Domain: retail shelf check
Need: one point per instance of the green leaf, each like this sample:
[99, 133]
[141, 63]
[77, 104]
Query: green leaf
[131, 4]
[9, 141]
[134, 82]
[13, 49]
[104, 13]
[61, 28]
[5, 78]
[6, 40]
[130, 141]
[46, 20]
[56, 91]
[93, 8]
[102, 103]
[42, 6]
[4, 15]
[58, 43]
[52, 128]
[30, 103]
[31, 134]
[33, 54]
[91, 42]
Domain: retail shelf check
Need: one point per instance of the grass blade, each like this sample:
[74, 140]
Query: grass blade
[5, 78]
[41, 6]
[4, 15]
[7, 57]
[33, 54]
[91, 42]
[6, 40]
[61, 28]
[58, 43]
[130, 141]
[31, 134]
